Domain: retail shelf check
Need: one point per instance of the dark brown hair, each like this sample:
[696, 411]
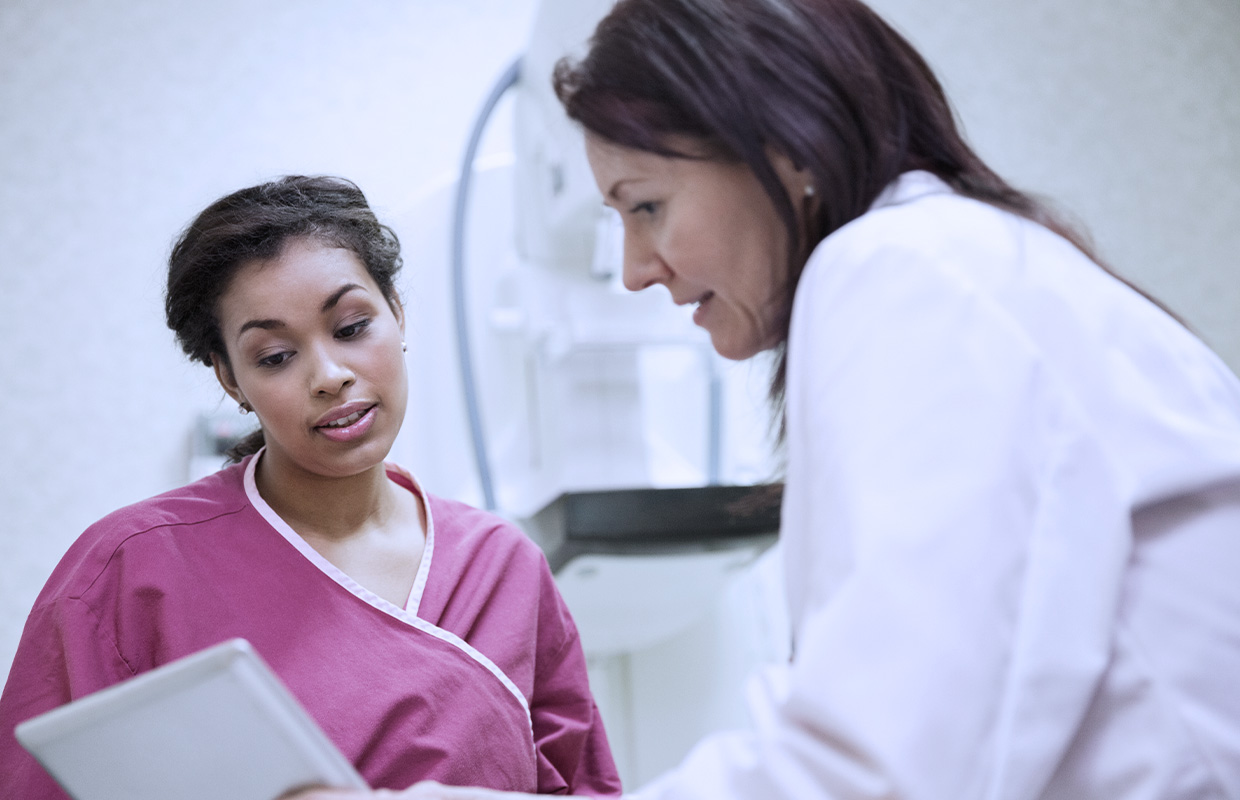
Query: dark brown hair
[826, 83]
[255, 223]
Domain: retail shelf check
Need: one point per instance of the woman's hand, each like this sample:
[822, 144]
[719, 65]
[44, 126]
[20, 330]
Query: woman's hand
[426, 790]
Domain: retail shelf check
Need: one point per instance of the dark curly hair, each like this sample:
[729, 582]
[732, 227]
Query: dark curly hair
[255, 223]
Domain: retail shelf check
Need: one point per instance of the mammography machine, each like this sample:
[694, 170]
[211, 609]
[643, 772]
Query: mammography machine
[600, 420]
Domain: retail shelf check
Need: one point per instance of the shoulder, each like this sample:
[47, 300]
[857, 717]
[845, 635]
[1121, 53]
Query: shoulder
[459, 528]
[510, 582]
[148, 524]
[925, 275]
[208, 498]
[503, 564]
[921, 222]
[897, 249]
[922, 244]
[462, 526]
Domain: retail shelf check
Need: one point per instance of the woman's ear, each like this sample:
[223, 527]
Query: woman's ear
[798, 181]
[224, 374]
[398, 309]
[804, 195]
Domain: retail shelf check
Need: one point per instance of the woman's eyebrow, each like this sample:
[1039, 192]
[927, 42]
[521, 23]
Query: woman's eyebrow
[331, 302]
[328, 305]
[614, 191]
[265, 324]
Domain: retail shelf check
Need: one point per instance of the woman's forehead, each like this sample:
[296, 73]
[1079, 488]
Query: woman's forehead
[306, 271]
[618, 166]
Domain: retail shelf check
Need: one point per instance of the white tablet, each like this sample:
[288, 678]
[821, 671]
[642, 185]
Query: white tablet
[216, 724]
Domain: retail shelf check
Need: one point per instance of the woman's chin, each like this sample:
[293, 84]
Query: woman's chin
[734, 350]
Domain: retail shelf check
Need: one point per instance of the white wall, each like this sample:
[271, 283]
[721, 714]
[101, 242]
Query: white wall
[118, 123]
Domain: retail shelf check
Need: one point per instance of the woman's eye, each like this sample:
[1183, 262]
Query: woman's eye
[275, 359]
[350, 331]
[643, 208]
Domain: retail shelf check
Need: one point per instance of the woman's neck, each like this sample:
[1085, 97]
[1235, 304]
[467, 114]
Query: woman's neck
[326, 507]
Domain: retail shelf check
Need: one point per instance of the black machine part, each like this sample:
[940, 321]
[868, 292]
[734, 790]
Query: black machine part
[655, 521]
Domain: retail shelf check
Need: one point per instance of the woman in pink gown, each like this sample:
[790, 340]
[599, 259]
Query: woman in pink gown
[426, 637]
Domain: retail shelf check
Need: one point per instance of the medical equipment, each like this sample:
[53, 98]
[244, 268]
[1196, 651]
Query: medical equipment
[588, 444]
[601, 420]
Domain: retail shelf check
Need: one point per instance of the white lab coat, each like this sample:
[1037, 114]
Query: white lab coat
[1011, 529]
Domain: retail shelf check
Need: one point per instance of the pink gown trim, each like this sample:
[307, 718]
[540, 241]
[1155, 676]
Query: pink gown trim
[407, 615]
[428, 550]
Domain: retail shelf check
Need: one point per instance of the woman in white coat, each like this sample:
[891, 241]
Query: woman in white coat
[1011, 520]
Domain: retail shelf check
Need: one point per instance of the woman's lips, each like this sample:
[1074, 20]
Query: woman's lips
[349, 427]
[700, 311]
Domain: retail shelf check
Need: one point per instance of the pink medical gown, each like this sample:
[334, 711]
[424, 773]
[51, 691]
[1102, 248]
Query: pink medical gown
[479, 680]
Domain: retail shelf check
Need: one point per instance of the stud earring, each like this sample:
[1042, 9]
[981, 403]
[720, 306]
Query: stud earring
[243, 409]
[404, 348]
[809, 190]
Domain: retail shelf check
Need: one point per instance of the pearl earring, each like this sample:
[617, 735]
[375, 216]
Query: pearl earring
[243, 409]
[809, 190]
[404, 348]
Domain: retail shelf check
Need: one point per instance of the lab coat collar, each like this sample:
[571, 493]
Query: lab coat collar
[910, 186]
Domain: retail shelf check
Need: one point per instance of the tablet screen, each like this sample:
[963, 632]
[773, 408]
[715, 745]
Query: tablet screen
[215, 724]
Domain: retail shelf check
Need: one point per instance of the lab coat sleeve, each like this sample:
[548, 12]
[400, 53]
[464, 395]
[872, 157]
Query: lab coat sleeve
[954, 534]
[573, 754]
[62, 656]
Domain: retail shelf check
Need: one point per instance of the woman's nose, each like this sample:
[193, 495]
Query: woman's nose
[330, 373]
[643, 267]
